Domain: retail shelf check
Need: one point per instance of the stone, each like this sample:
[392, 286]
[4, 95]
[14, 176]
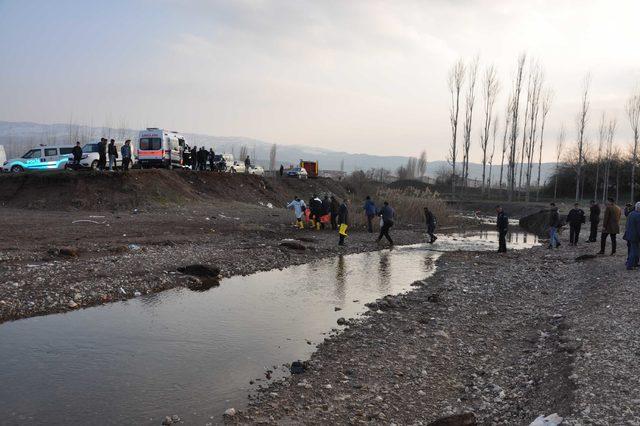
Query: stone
[230, 412]
[72, 304]
[342, 321]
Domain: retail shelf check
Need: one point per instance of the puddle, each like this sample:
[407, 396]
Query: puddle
[194, 353]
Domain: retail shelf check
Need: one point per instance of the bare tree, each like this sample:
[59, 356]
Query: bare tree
[505, 144]
[611, 132]
[515, 104]
[546, 106]
[272, 156]
[421, 167]
[633, 113]
[489, 94]
[559, 149]
[493, 151]
[537, 79]
[456, 80]
[603, 130]
[244, 151]
[582, 118]
[468, 118]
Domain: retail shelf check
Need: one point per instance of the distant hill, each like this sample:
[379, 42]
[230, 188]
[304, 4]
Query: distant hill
[17, 137]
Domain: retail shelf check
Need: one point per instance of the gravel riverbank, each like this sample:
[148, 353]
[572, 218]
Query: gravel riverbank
[507, 338]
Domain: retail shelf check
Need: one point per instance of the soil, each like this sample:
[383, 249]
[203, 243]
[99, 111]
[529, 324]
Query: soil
[502, 338]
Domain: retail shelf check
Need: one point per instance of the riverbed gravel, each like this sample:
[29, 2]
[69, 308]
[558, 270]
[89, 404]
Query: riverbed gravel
[494, 339]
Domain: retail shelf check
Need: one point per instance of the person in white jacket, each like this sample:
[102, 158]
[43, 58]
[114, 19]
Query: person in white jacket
[299, 208]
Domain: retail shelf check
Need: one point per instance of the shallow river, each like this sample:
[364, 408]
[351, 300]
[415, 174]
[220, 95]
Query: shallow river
[195, 353]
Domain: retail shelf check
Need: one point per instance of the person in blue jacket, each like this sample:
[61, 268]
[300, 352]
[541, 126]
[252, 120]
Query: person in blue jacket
[298, 207]
[632, 236]
[371, 211]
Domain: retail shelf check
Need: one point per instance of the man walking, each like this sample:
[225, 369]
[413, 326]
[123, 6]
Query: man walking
[77, 155]
[632, 236]
[554, 224]
[610, 226]
[502, 223]
[594, 220]
[316, 211]
[343, 220]
[387, 214]
[299, 208]
[126, 155]
[113, 154]
[102, 154]
[370, 211]
[247, 164]
[431, 225]
[335, 210]
[194, 158]
[575, 218]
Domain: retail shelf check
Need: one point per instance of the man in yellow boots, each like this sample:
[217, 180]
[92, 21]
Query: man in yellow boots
[343, 220]
[299, 208]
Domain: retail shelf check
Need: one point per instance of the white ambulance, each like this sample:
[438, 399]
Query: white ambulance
[160, 148]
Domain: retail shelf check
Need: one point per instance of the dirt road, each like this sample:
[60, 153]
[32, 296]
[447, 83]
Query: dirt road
[507, 338]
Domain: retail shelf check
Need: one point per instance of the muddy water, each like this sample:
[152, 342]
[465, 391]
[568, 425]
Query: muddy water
[195, 353]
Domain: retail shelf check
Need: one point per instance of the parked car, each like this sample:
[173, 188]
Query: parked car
[3, 155]
[159, 148]
[298, 172]
[41, 158]
[256, 170]
[91, 154]
[237, 167]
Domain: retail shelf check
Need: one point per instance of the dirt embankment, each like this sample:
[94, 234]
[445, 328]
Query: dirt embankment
[140, 188]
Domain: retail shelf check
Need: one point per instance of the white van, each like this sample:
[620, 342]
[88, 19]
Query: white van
[91, 154]
[41, 158]
[159, 148]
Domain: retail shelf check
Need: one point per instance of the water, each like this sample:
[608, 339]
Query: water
[194, 353]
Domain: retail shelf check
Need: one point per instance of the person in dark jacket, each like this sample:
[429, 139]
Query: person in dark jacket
[281, 170]
[113, 155]
[343, 220]
[431, 224]
[554, 224]
[387, 214]
[628, 208]
[102, 154]
[632, 236]
[334, 208]
[247, 164]
[575, 219]
[77, 155]
[315, 205]
[610, 225]
[326, 211]
[125, 150]
[502, 224]
[370, 211]
[594, 220]
[194, 158]
[212, 155]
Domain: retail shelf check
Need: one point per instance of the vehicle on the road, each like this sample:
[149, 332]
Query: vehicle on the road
[91, 154]
[298, 172]
[159, 148]
[39, 159]
[256, 170]
[237, 167]
[311, 167]
[3, 155]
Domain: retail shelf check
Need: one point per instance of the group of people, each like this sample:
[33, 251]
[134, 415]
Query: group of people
[320, 213]
[609, 230]
[106, 150]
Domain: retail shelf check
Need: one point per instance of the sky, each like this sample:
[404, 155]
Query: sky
[358, 76]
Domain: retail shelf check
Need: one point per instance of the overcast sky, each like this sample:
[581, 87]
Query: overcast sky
[360, 76]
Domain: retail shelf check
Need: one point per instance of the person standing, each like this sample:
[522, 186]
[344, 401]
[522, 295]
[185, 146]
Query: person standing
[126, 155]
[343, 220]
[335, 210]
[194, 158]
[247, 164]
[102, 154]
[632, 236]
[316, 211]
[502, 224]
[326, 212]
[575, 218]
[299, 208]
[113, 154]
[387, 214]
[594, 220]
[554, 224]
[77, 155]
[370, 211]
[212, 155]
[281, 170]
[431, 224]
[610, 226]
